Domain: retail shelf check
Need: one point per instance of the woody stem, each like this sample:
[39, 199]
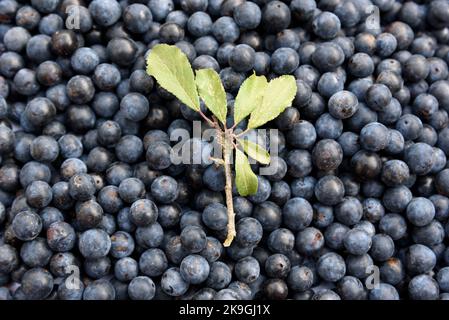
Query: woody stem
[227, 155]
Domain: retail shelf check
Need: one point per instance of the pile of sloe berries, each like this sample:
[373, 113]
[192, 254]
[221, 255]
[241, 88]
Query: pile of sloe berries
[91, 207]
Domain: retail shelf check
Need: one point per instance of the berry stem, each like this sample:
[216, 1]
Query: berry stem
[227, 154]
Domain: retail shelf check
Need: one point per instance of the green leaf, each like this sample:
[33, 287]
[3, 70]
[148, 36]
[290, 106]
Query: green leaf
[171, 68]
[255, 151]
[249, 96]
[278, 95]
[245, 179]
[212, 92]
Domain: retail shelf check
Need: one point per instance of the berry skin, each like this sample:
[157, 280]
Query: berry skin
[378, 96]
[81, 187]
[385, 291]
[247, 270]
[423, 287]
[164, 189]
[109, 199]
[329, 190]
[351, 288]
[172, 283]
[219, 276]
[249, 231]
[193, 239]
[309, 241]
[277, 266]
[158, 155]
[300, 279]
[61, 236]
[37, 283]
[214, 178]
[281, 241]
[297, 214]
[194, 269]
[153, 262]
[6, 140]
[392, 271]
[38, 194]
[99, 290]
[122, 244]
[106, 76]
[349, 211]
[442, 278]
[215, 216]
[263, 190]
[131, 190]
[374, 137]
[199, 24]
[242, 58]
[276, 16]
[357, 241]
[149, 236]
[225, 30]
[393, 225]
[141, 288]
[343, 104]
[327, 155]
[9, 259]
[213, 250]
[331, 267]
[247, 15]
[143, 212]
[135, 106]
[326, 25]
[129, 149]
[419, 157]
[70, 146]
[137, 18]
[329, 84]
[419, 259]
[382, 247]
[303, 187]
[396, 199]
[302, 135]
[26, 225]
[409, 126]
[360, 65]
[420, 211]
[105, 13]
[284, 61]
[442, 181]
[94, 243]
[395, 172]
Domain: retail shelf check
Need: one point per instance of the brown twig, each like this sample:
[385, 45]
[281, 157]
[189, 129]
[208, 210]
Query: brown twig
[227, 154]
[209, 121]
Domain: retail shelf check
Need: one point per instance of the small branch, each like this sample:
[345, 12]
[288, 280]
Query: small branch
[217, 161]
[209, 121]
[226, 140]
[227, 154]
[242, 133]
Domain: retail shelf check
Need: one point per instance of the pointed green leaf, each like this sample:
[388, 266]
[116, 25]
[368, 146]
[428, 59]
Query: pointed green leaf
[245, 179]
[249, 96]
[278, 95]
[255, 151]
[171, 68]
[212, 92]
